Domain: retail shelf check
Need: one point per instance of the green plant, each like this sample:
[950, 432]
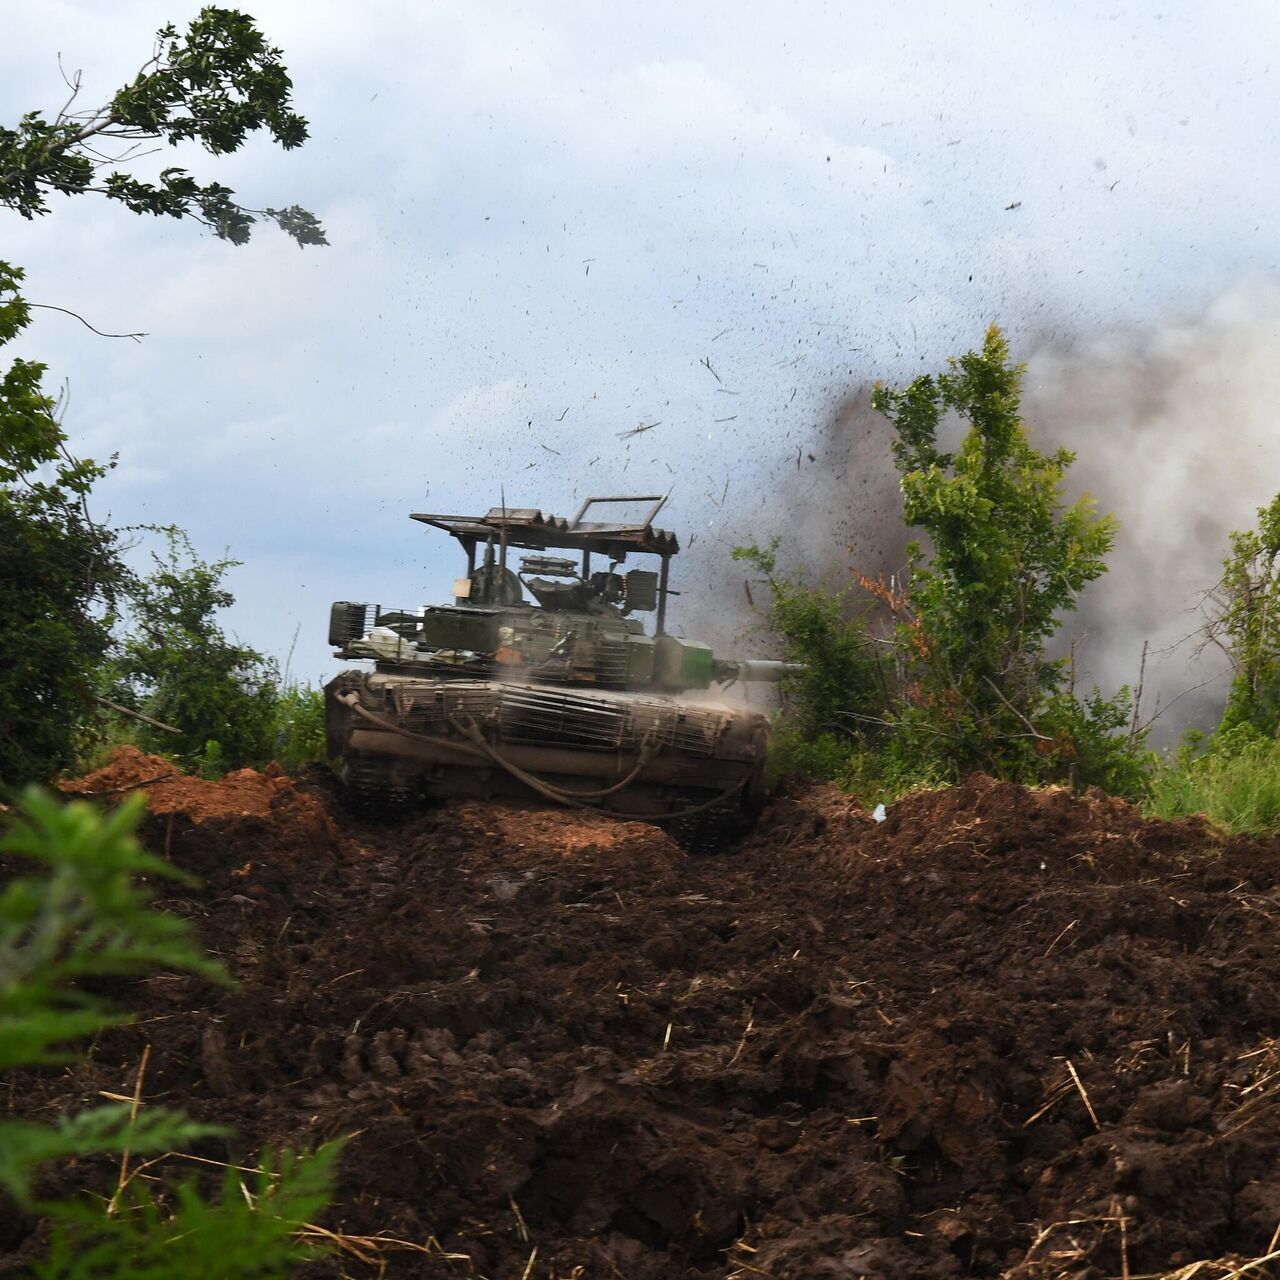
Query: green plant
[1233, 778]
[83, 915]
[1245, 622]
[1006, 560]
[844, 688]
[907, 685]
[61, 572]
[177, 666]
[61, 575]
[214, 84]
[297, 731]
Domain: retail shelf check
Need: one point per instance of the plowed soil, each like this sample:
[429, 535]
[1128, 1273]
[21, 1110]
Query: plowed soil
[1005, 1032]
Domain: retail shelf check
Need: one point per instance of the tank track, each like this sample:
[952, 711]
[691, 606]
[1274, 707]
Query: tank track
[371, 791]
[708, 831]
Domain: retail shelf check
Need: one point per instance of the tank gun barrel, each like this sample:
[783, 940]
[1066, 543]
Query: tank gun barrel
[753, 670]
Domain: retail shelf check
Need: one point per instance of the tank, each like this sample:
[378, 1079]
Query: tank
[541, 679]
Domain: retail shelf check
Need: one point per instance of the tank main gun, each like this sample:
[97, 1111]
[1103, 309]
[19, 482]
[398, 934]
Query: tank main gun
[753, 670]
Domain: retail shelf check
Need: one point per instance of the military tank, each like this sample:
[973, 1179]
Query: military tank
[540, 679]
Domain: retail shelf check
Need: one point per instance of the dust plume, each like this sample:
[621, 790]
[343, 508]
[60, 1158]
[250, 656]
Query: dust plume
[1175, 431]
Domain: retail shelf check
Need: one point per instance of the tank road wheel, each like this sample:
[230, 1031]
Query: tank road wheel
[371, 790]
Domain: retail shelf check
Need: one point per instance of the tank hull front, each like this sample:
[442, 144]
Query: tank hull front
[631, 753]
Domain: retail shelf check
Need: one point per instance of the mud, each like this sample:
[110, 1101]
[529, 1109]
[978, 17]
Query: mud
[1005, 1032]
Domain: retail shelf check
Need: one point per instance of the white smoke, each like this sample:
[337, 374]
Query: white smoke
[1175, 432]
[1175, 428]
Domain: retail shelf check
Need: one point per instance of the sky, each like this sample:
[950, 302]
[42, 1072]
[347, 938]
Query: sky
[553, 224]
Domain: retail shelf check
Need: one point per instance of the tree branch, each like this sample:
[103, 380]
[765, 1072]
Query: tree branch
[48, 306]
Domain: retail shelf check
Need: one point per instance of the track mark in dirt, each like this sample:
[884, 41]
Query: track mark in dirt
[842, 1049]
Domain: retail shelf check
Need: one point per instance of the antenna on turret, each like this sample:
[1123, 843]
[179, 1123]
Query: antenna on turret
[502, 553]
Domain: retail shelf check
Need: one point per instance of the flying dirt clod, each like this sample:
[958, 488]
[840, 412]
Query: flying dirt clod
[566, 697]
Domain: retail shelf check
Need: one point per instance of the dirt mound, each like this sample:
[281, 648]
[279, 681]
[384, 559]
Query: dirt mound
[1005, 1032]
[248, 828]
[242, 793]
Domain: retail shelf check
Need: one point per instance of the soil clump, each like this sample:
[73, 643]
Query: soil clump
[1005, 1032]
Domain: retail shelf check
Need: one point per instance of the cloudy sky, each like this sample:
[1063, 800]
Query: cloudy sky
[552, 224]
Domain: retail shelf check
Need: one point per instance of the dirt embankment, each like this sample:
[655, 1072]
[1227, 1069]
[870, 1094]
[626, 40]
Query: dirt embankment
[1004, 1033]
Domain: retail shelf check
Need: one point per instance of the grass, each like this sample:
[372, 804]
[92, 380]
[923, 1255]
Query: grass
[869, 775]
[294, 737]
[1234, 781]
[1231, 777]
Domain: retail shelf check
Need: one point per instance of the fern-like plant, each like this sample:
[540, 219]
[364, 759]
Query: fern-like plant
[84, 914]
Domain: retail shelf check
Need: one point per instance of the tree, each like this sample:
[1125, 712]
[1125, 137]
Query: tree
[60, 571]
[948, 670]
[1245, 622]
[217, 83]
[178, 666]
[1006, 560]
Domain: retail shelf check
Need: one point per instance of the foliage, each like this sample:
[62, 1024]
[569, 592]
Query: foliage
[967, 681]
[1246, 623]
[845, 685]
[177, 666]
[1233, 779]
[1006, 560]
[872, 773]
[294, 738]
[250, 1231]
[83, 915]
[297, 727]
[87, 917]
[60, 571]
[214, 84]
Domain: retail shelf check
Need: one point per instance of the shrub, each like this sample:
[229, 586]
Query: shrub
[177, 666]
[963, 679]
[844, 690]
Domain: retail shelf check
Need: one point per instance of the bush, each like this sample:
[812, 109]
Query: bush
[1006, 559]
[176, 666]
[60, 572]
[954, 674]
[844, 690]
[1245, 622]
[297, 727]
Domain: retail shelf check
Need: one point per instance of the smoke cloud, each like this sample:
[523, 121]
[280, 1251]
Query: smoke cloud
[1174, 428]
[1175, 432]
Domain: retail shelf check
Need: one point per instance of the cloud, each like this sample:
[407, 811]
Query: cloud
[544, 221]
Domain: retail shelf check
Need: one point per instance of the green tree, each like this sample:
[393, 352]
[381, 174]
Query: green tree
[214, 84]
[1245, 622]
[966, 680]
[1005, 560]
[60, 571]
[178, 666]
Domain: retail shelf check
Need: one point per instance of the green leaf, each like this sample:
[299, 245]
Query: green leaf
[97, 1131]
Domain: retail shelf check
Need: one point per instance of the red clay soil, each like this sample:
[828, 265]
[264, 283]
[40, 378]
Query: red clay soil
[1005, 1032]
